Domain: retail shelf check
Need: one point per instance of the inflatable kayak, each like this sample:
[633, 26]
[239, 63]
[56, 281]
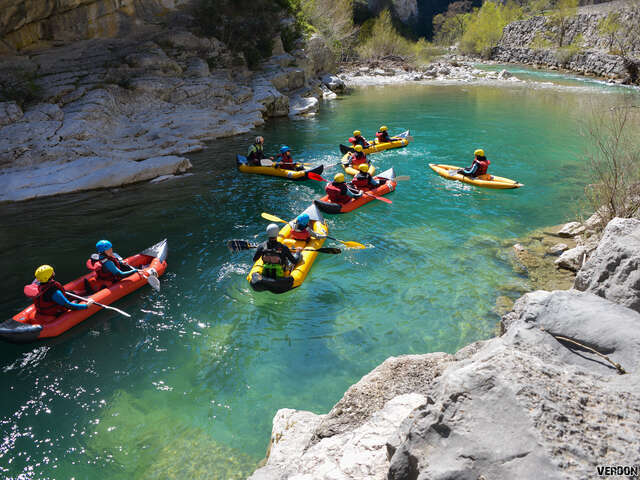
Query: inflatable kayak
[486, 181]
[398, 141]
[349, 169]
[296, 276]
[390, 185]
[300, 174]
[28, 326]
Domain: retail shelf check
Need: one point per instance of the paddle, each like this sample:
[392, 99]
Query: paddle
[239, 245]
[73, 295]
[382, 199]
[314, 176]
[152, 277]
[402, 178]
[348, 244]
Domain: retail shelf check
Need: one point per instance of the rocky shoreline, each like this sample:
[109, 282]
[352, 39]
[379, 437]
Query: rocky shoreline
[535, 402]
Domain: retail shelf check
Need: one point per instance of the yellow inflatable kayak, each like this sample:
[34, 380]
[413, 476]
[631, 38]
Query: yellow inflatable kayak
[277, 172]
[296, 276]
[486, 181]
[353, 171]
[401, 140]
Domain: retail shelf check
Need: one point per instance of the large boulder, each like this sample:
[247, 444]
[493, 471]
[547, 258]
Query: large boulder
[612, 270]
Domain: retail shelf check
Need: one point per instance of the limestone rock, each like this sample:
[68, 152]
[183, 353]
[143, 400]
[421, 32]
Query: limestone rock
[504, 74]
[557, 249]
[10, 112]
[612, 271]
[571, 229]
[334, 83]
[303, 106]
[572, 259]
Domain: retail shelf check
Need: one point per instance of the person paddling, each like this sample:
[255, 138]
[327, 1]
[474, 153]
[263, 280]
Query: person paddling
[285, 160]
[358, 158]
[363, 178]
[256, 152]
[108, 265]
[275, 256]
[358, 139]
[383, 135]
[479, 166]
[301, 230]
[339, 192]
[50, 299]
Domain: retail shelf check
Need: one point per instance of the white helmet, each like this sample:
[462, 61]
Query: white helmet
[272, 230]
[259, 139]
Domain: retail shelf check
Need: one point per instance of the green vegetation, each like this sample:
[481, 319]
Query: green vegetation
[452, 24]
[379, 38]
[334, 19]
[484, 28]
[559, 20]
[609, 27]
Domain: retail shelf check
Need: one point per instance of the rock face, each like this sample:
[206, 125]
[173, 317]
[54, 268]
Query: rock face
[593, 55]
[528, 404]
[613, 271]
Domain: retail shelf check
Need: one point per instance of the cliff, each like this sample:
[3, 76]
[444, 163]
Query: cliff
[585, 47]
[536, 402]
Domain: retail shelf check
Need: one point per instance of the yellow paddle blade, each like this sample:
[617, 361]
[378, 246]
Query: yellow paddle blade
[353, 244]
[272, 218]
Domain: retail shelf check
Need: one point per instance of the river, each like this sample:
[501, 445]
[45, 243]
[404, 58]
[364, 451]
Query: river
[188, 386]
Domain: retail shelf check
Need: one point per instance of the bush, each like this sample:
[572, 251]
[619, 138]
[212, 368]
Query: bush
[614, 162]
[384, 40]
[565, 54]
[540, 42]
[485, 27]
[245, 26]
[449, 26]
[560, 17]
[334, 20]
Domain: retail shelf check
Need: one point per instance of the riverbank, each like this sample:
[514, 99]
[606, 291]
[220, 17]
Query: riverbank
[535, 401]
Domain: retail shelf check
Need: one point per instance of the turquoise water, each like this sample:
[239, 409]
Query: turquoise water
[188, 386]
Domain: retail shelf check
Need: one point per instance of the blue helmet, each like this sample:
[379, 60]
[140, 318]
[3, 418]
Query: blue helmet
[303, 219]
[103, 246]
[284, 149]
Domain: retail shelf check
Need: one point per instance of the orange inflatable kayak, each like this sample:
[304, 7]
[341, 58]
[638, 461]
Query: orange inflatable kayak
[389, 186]
[28, 326]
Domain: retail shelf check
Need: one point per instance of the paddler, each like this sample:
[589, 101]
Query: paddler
[479, 166]
[357, 158]
[339, 192]
[276, 257]
[383, 135]
[256, 152]
[301, 230]
[358, 139]
[108, 265]
[285, 160]
[50, 299]
[363, 178]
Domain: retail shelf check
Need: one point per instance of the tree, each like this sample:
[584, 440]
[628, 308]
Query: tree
[560, 19]
[334, 19]
[609, 27]
[485, 27]
[449, 26]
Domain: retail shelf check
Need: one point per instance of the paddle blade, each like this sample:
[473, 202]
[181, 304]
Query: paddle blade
[353, 245]
[382, 199]
[403, 178]
[315, 176]
[272, 218]
[239, 245]
[330, 250]
[153, 281]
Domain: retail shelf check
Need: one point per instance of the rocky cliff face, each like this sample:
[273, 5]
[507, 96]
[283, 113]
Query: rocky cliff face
[529, 404]
[591, 54]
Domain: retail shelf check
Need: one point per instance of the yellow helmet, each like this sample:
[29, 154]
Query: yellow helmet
[363, 167]
[339, 177]
[44, 273]
[479, 152]
[358, 148]
[356, 133]
[383, 128]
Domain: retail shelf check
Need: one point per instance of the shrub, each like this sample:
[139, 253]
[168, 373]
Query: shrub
[485, 27]
[384, 40]
[609, 27]
[449, 26]
[565, 54]
[334, 20]
[540, 42]
[614, 162]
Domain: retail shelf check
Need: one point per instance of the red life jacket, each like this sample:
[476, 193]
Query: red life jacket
[303, 235]
[383, 137]
[483, 166]
[359, 140]
[358, 158]
[286, 159]
[336, 194]
[97, 265]
[361, 180]
[43, 302]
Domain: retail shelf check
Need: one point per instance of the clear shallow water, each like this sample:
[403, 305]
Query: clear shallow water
[187, 388]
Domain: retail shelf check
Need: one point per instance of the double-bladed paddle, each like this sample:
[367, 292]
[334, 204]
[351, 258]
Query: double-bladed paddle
[240, 245]
[107, 307]
[349, 244]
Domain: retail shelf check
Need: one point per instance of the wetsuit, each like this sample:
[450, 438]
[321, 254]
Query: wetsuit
[112, 266]
[275, 257]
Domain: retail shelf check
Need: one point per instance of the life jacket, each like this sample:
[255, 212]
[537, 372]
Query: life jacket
[256, 151]
[286, 159]
[96, 263]
[303, 235]
[383, 137]
[361, 180]
[337, 194]
[359, 140]
[43, 301]
[358, 158]
[483, 166]
[273, 261]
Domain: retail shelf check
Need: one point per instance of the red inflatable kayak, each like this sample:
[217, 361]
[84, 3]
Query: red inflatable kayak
[28, 326]
[389, 186]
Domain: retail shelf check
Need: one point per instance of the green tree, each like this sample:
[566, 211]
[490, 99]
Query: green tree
[485, 27]
[384, 40]
[609, 27]
[560, 19]
[449, 26]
